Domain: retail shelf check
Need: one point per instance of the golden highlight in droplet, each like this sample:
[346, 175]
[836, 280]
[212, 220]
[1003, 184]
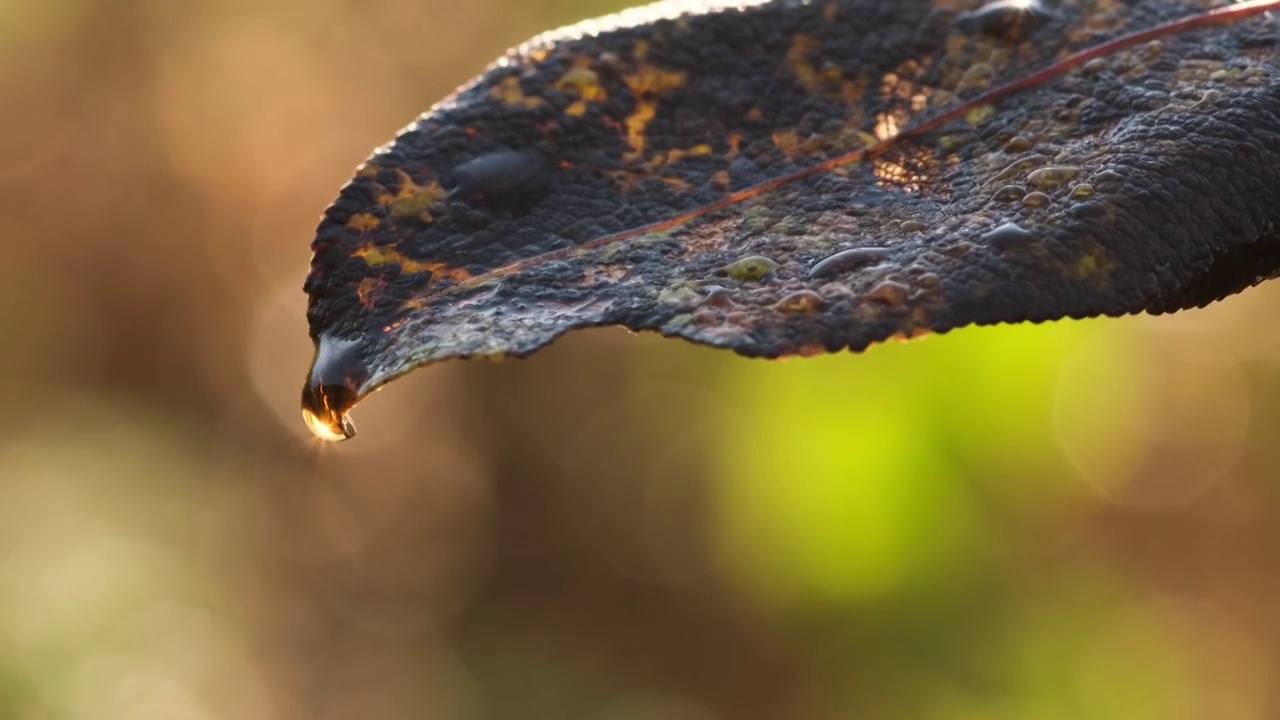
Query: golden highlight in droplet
[329, 428]
[330, 390]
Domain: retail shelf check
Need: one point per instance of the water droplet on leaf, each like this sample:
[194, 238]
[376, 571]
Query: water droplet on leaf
[847, 260]
[1095, 66]
[752, 268]
[1035, 200]
[1082, 191]
[1018, 144]
[800, 301]
[1012, 20]
[718, 295]
[1007, 236]
[889, 293]
[681, 295]
[1088, 209]
[1053, 176]
[1009, 193]
[330, 391]
[499, 175]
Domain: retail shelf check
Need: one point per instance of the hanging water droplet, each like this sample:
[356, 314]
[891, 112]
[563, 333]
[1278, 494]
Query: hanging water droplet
[331, 388]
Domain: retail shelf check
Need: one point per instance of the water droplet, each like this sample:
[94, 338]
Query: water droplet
[1017, 167]
[1081, 191]
[1095, 66]
[1018, 144]
[680, 295]
[1009, 19]
[847, 260]
[609, 61]
[800, 301]
[1009, 193]
[1053, 176]
[889, 293]
[1035, 200]
[499, 175]
[719, 295]
[337, 372]
[1088, 209]
[752, 268]
[1007, 236]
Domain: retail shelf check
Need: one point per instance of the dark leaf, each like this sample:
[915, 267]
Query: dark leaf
[791, 177]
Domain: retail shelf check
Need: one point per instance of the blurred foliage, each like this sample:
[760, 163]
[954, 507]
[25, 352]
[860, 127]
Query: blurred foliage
[1059, 521]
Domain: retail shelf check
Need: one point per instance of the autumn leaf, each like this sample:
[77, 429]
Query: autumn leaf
[787, 177]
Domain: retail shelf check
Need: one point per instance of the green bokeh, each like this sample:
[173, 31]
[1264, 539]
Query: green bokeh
[883, 498]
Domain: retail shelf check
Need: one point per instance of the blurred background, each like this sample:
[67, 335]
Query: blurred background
[1060, 521]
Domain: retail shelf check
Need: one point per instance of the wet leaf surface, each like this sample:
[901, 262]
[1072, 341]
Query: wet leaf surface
[792, 177]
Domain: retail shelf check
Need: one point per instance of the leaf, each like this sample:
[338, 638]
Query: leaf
[787, 177]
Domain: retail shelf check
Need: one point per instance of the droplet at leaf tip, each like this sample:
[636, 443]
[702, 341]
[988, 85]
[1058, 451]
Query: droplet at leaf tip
[332, 388]
[835, 184]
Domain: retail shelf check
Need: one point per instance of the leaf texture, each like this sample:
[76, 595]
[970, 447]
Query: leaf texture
[793, 177]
